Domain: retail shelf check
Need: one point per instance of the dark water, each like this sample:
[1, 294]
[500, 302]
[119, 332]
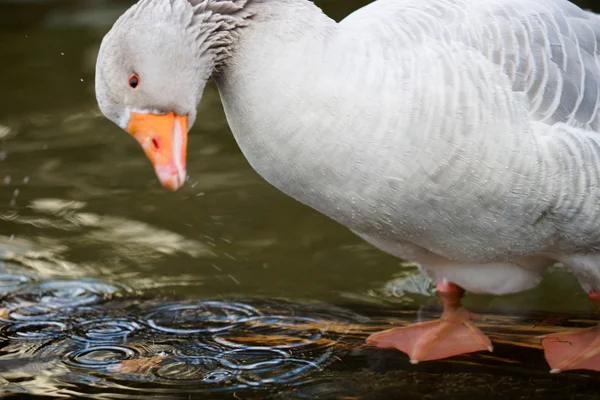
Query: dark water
[100, 266]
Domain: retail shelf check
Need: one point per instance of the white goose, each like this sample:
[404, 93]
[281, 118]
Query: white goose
[461, 134]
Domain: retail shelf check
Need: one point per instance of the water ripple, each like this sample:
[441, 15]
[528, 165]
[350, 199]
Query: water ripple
[10, 281]
[34, 330]
[204, 371]
[32, 311]
[100, 357]
[287, 372]
[86, 338]
[53, 299]
[74, 293]
[105, 330]
[252, 358]
[290, 332]
[199, 317]
[197, 351]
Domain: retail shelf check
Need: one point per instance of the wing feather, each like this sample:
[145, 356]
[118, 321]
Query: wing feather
[549, 49]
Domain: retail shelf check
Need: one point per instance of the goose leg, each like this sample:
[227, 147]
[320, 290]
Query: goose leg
[578, 349]
[451, 335]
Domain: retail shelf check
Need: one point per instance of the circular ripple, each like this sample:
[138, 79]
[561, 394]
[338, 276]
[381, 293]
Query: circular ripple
[13, 281]
[100, 357]
[105, 330]
[25, 311]
[34, 330]
[229, 346]
[206, 370]
[74, 293]
[51, 299]
[252, 358]
[277, 332]
[201, 317]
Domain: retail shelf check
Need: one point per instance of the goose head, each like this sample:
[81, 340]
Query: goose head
[151, 71]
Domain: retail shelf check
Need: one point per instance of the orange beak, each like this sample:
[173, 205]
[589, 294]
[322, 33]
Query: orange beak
[164, 139]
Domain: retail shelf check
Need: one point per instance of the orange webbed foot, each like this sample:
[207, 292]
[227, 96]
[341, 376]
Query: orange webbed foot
[451, 335]
[573, 350]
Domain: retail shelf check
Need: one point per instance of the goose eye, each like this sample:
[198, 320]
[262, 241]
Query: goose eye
[134, 81]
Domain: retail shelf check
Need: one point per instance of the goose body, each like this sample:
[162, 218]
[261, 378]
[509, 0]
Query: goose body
[463, 135]
[429, 135]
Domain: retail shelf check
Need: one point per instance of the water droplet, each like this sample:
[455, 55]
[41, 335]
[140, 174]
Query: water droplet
[13, 200]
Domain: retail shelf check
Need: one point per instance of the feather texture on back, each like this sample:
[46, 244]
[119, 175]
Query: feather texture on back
[549, 49]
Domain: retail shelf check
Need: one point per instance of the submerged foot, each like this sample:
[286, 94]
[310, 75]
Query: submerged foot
[573, 350]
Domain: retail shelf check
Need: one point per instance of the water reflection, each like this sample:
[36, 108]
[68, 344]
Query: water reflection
[87, 332]
[90, 338]
[70, 226]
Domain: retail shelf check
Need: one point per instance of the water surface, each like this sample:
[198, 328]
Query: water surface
[91, 246]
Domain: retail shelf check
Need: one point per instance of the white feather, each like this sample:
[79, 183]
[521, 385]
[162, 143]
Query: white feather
[449, 132]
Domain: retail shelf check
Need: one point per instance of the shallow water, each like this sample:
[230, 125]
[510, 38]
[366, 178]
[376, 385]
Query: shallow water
[99, 264]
